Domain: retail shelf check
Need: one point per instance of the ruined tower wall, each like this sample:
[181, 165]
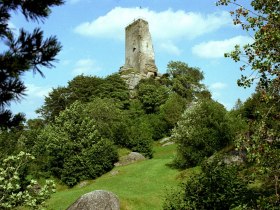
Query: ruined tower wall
[139, 52]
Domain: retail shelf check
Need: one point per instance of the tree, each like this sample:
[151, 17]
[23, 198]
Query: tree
[172, 109]
[57, 101]
[114, 87]
[73, 147]
[107, 117]
[262, 57]
[28, 51]
[84, 89]
[185, 80]
[151, 94]
[202, 130]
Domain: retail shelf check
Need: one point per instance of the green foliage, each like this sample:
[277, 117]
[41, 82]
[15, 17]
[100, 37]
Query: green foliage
[263, 153]
[84, 89]
[158, 126]
[151, 94]
[203, 130]
[262, 56]
[185, 80]
[139, 186]
[74, 148]
[218, 186]
[114, 87]
[15, 190]
[107, 117]
[9, 142]
[172, 109]
[23, 52]
[55, 102]
[140, 137]
[261, 139]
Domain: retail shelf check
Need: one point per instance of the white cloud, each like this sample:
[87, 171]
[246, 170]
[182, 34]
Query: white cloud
[35, 91]
[218, 86]
[216, 49]
[170, 48]
[165, 25]
[85, 66]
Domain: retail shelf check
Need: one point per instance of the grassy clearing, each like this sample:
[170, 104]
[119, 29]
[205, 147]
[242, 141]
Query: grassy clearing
[140, 186]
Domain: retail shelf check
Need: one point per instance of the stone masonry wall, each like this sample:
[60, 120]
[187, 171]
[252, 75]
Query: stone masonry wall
[139, 52]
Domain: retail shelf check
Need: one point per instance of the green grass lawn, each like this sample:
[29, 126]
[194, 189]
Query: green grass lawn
[140, 185]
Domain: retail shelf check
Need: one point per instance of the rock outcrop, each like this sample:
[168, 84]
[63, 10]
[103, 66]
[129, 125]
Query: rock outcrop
[96, 200]
[130, 158]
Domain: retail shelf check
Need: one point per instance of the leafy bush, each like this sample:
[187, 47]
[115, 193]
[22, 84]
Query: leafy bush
[216, 187]
[15, 190]
[74, 149]
[172, 109]
[158, 126]
[151, 94]
[108, 118]
[203, 129]
[140, 137]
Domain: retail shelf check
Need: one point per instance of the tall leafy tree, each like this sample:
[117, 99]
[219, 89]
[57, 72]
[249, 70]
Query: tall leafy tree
[262, 58]
[185, 80]
[202, 130]
[152, 94]
[74, 148]
[23, 52]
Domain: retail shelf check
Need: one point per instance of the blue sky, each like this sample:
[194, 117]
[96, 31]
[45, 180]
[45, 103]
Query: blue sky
[92, 34]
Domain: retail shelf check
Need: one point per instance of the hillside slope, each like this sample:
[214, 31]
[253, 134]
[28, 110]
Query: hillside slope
[140, 186]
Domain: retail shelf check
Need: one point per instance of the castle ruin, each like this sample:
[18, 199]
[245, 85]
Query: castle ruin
[139, 54]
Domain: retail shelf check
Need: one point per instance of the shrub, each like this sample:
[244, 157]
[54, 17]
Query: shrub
[140, 137]
[203, 129]
[15, 190]
[218, 186]
[74, 148]
[152, 94]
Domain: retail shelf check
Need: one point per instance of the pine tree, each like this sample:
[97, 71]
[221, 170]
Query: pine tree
[23, 52]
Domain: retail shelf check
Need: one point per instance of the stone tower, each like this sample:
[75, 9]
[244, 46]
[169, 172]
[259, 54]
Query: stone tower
[139, 53]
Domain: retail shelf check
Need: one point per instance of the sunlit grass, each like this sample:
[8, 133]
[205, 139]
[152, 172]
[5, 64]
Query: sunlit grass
[141, 185]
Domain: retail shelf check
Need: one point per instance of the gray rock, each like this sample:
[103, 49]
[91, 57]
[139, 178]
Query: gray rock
[115, 172]
[233, 159]
[164, 140]
[96, 200]
[168, 143]
[83, 184]
[132, 79]
[130, 158]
